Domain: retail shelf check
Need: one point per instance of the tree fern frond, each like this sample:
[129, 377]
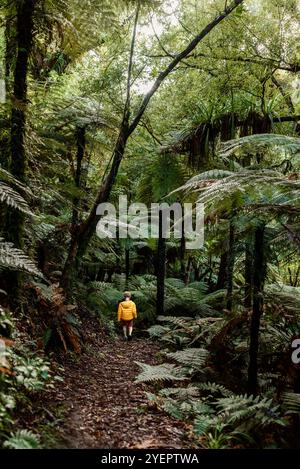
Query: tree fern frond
[193, 357]
[180, 321]
[13, 258]
[285, 295]
[157, 331]
[13, 199]
[291, 144]
[182, 394]
[214, 388]
[7, 177]
[291, 402]
[159, 373]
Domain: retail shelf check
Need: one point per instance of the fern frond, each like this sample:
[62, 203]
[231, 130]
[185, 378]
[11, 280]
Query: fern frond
[13, 258]
[22, 439]
[181, 394]
[157, 331]
[192, 357]
[291, 144]
[13, 199]
[214, 388]
[288, 297]
[159, 373]
[291, 402]
[180, 321]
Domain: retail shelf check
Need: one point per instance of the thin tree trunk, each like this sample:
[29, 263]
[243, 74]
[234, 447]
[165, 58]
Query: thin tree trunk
[222, 275]
[248, 273]
[161, 267]
[258, 286]
[230, 265]
[81, 143]
[188, 271]
[127, 265]
[182, 253]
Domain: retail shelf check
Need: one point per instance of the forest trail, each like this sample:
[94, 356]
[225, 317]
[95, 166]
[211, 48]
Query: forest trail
[105, 407]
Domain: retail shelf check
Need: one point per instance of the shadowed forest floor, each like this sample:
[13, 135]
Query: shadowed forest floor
[104, 407]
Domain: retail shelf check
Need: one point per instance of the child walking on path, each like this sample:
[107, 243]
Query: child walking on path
[127, 313]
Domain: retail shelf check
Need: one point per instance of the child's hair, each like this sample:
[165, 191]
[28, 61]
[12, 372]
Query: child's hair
[127, 294]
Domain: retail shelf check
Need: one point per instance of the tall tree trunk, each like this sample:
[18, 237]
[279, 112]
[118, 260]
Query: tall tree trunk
[81, 143]
[127, 265]
[18, 163]
[182, 253]
[230, 265]
[161, 268]
[259, 274]
[222, 275]
[14, 227]
[248, 273]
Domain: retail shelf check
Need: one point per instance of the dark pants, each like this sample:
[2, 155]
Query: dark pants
[128, 323]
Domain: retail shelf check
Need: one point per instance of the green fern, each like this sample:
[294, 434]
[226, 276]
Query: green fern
[214, 389]
[190, 357]
[159, 373]
[291, 402]
[22, 439]
[290, 144]
[181, 394]
[13, 199]
[248, 412]
[157, 331]
[13, 258]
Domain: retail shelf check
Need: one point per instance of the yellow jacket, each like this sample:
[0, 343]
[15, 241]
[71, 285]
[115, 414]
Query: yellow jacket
[127, 310]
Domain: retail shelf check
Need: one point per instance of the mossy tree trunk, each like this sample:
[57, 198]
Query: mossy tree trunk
[14, 227]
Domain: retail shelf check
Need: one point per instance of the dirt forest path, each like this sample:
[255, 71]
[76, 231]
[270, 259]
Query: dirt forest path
[105, 408]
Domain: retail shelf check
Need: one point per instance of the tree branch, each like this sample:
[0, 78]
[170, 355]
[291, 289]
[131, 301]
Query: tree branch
[130, 64]
[191, 46]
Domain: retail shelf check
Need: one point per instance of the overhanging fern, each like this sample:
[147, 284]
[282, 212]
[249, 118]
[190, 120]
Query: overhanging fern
[13, 258]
